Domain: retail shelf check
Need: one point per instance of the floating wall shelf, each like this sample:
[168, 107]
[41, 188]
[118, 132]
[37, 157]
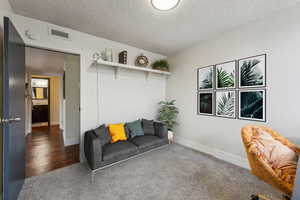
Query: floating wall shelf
[119, 66]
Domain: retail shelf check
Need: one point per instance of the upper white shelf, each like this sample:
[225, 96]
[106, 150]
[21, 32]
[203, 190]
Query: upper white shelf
[123, 66]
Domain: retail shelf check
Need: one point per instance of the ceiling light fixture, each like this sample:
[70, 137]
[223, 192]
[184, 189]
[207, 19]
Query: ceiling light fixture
[165, 5]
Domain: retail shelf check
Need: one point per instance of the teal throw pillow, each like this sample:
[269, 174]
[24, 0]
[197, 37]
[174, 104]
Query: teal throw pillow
[135, 128]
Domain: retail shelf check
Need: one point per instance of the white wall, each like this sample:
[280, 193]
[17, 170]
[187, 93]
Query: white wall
[5, 6]
[5, 10]
[279, 37]
[124, 99]
[137, 98]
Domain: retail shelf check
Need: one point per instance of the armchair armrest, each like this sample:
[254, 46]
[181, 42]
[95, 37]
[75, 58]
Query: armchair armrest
[92, 149]
[161, 130]
[296, 149]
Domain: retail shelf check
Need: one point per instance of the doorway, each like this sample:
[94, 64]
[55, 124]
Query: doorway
[52, 122]
[40, 114]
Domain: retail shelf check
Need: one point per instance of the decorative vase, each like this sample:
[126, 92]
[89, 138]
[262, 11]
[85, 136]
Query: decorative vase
[109, 55]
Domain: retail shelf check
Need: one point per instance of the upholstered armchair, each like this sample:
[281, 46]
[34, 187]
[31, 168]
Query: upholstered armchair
[272, 158]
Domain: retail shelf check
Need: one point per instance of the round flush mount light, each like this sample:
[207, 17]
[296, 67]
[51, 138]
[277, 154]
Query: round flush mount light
[165, 5]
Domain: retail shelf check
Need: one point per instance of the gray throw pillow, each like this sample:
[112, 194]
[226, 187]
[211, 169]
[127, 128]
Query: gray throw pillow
[148, 127]
[103, 134]
[127, 131]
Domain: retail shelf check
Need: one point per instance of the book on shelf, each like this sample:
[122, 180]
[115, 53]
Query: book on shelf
[123, 57]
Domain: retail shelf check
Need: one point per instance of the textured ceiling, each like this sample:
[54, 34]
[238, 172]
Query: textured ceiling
[137, 23]
[39, 61]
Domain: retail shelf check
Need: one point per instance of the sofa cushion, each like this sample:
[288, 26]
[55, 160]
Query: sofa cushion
[127, 131]
[148, 127]
[273, 151]
[146, 141]
[118, 149]
[280, 157]
[135, 128]
[103, 134]
[117, 132]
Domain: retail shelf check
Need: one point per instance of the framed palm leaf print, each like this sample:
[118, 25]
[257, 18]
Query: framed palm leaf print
[252, 105]
[225, 104]
[225, 75]
[252, 71]
[205, 78]
[206, 103]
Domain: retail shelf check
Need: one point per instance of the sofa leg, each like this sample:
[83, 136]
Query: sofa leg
[92, 177]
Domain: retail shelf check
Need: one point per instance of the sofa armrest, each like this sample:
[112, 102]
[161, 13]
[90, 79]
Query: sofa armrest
[161, 130]
[92, 149]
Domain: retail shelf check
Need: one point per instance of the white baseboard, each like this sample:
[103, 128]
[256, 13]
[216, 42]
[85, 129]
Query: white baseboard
[40, 124]
[45, 124]
[28, 131]
[222, 155]
[69, 142]
[62, 127]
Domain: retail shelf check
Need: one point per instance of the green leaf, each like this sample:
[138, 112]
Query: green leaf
[250, 76]
[252, 105]
[225, 79]
[225, 105]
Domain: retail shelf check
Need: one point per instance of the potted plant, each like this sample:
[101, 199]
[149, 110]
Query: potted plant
[162, 65]
[168, 114]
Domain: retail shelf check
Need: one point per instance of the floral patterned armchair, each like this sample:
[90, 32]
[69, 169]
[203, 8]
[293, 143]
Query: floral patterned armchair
[272, 158]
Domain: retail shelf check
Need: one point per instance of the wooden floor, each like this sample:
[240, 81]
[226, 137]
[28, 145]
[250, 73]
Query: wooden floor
[45, 151]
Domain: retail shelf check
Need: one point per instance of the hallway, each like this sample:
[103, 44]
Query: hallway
[45, 151]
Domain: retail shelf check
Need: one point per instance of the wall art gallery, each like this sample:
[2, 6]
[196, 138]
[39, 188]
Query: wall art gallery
[234, 89]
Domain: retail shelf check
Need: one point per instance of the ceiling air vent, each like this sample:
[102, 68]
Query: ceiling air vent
[59, 33]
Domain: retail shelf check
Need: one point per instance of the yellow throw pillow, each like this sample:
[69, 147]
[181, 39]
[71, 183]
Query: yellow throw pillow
[117, 132]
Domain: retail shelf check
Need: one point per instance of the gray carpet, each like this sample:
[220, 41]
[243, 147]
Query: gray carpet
[174, 173]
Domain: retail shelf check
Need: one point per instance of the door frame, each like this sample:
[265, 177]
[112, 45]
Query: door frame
[79, 53]
[63, 85]
[53, 50]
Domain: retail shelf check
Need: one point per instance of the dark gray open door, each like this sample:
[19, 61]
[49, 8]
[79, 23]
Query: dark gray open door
[13, 112]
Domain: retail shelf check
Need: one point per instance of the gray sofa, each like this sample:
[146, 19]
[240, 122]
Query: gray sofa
[100, 152]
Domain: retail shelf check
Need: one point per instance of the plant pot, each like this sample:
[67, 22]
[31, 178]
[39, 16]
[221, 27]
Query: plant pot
[170, 136]
[161, 69]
